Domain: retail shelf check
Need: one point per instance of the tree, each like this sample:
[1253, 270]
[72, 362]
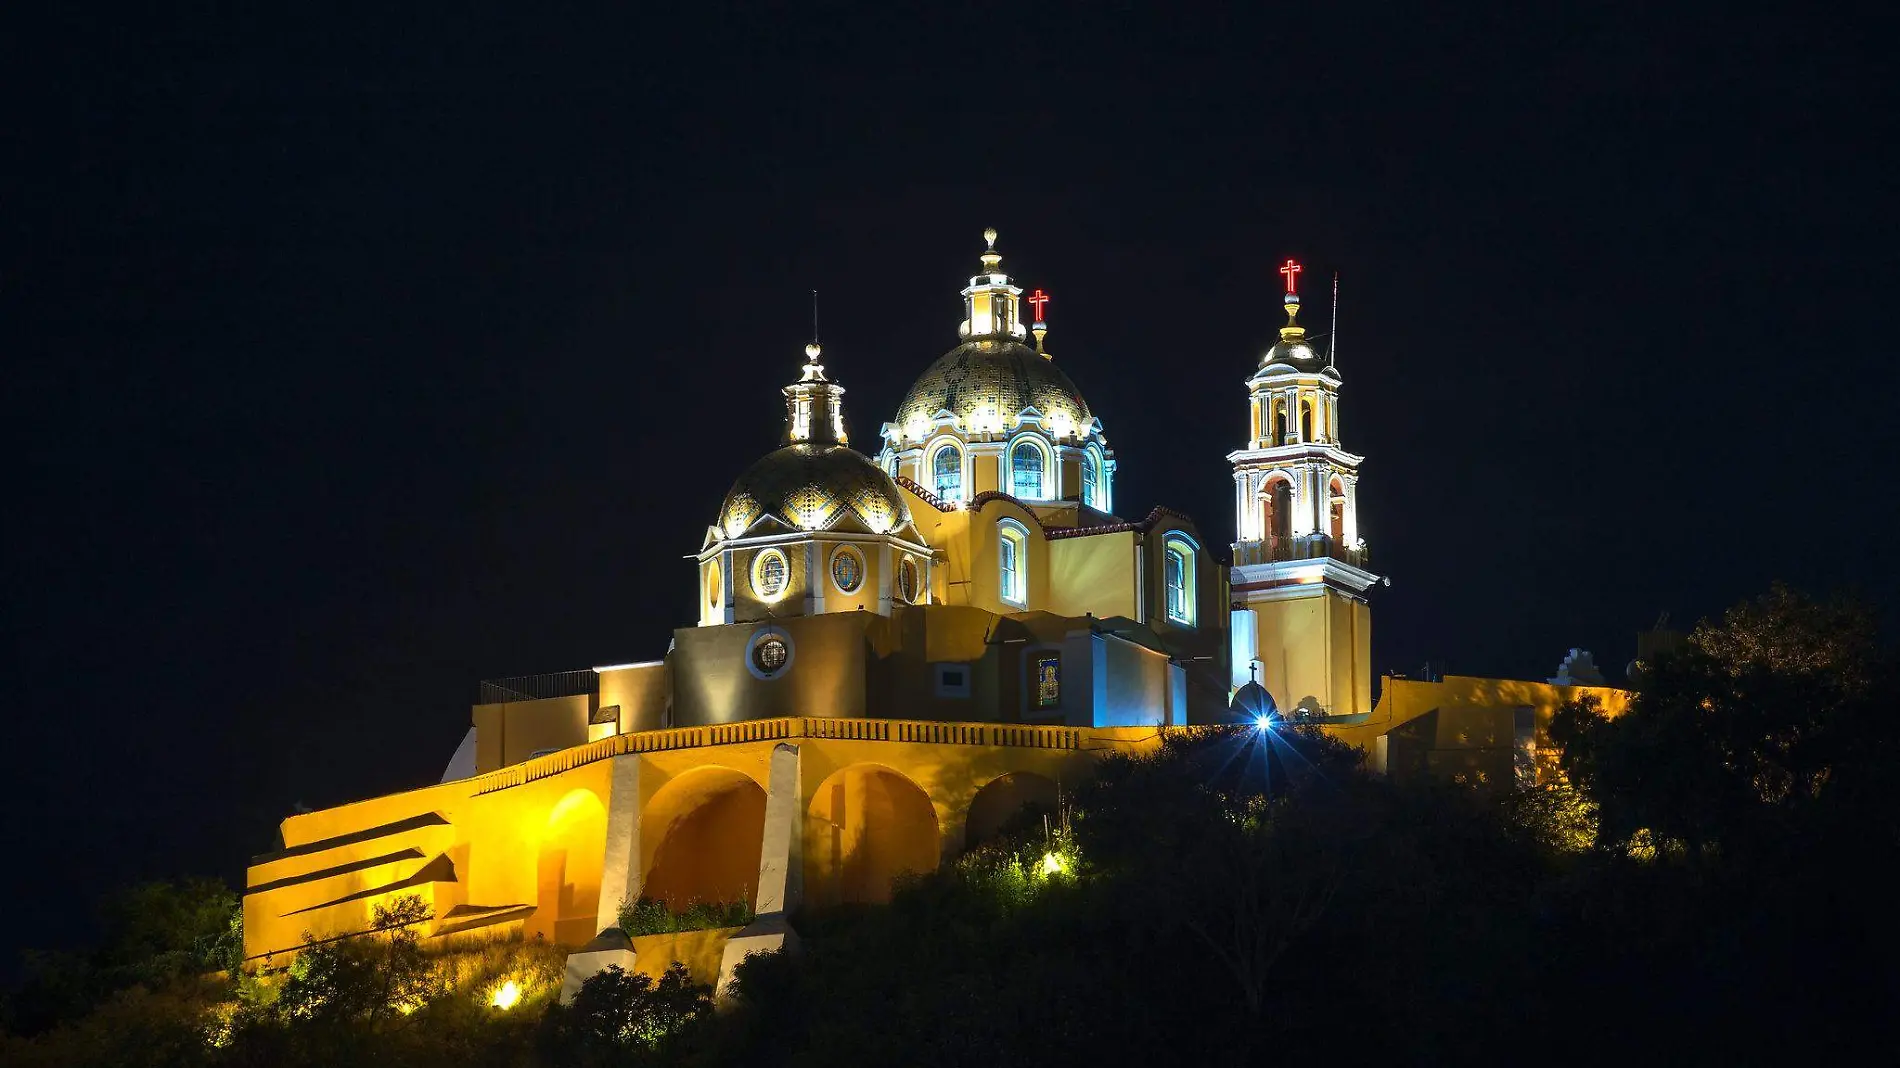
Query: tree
[617, 1009]
[1753, 724]
[367, 979]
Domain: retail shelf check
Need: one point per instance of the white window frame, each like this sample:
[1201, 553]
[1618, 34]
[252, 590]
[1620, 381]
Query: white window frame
[1015, 535]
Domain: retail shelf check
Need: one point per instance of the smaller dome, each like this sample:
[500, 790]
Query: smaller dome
[812, 487]
[1293, 357]
[1253, 701]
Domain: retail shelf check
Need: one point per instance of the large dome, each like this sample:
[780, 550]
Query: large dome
[997, 376]
[812, 487]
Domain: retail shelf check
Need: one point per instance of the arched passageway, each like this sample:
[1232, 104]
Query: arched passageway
[699, 839]
[567, 869]
[1008, 803]
[866, 826]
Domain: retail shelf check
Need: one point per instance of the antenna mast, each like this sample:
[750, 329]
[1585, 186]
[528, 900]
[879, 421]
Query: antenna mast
[1332, 339]
[814, 315]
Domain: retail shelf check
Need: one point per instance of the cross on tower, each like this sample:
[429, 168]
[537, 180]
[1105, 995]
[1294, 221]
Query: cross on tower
[1038, 299]
[1292, 271]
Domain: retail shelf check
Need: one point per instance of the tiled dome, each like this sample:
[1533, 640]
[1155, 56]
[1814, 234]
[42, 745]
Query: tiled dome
[812, 487]
[1000, 375]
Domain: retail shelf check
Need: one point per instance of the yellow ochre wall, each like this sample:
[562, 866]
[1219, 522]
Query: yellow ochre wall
[525, 844]
[1316, 646]
[1461, 727]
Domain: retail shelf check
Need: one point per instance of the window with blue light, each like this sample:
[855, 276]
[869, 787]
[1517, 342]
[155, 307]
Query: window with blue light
[1025, 471]
[1177, 570]
[1010, 551]
[947, 471]
[1091, 490]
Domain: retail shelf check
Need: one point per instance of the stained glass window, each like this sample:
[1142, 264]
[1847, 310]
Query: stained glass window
[1025, 471]
[847, 570]
[1048, 680]
[768, 575]
[770, 654]
[947, 468]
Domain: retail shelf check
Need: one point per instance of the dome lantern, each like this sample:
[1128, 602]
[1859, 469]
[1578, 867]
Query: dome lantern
[814, 406]
[990, 302]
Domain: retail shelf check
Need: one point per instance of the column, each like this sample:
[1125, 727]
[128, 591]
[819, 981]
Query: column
[620, 865]
[725, 586]
[1352, 508]
[815, 578]
[1243, 529]
[886, 577]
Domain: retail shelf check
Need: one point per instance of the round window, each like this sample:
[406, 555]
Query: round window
[770, 654]
[907, 579]
[768, 573]
[712, 584]
[847, 569]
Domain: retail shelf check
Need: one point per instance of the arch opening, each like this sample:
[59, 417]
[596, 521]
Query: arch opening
[568, 865]
[700, 837]
[867, 826]
[1011, 803]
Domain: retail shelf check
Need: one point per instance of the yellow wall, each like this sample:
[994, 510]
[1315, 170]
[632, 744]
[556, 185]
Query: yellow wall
[534, 848]
[641, 692]
[1463, 728]
[527, 726]
[526, 843]
[1316, 646]
[1094, 574]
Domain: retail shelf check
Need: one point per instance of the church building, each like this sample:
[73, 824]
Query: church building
[898, 646]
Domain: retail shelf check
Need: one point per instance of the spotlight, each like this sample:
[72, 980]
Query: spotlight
[506, 995]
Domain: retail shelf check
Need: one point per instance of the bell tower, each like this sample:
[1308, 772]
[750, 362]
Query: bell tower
[1300, 563]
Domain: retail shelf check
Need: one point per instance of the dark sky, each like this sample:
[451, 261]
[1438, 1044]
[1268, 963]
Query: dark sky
[351, 361]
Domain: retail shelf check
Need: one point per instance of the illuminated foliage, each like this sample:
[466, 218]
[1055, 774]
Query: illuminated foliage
[370, 979]
[620, 1008]
[645, 916]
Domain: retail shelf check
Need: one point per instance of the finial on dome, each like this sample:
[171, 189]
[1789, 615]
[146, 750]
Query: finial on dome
[811, 351]
[989, 238]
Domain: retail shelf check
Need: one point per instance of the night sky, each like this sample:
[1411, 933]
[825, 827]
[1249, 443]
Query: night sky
[353, 361]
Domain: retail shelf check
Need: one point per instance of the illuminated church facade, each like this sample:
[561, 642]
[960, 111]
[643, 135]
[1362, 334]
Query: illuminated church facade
[898, 647]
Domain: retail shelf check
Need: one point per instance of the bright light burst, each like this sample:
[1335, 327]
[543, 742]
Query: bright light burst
[1051, 863]
[506, 995]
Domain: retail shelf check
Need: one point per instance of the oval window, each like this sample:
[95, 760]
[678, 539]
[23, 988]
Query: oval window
[768, 573]
[847, 569]
[770, 654]
[907, 580]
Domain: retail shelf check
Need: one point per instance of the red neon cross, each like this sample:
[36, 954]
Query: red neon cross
[1038, 299]
[1292, 271]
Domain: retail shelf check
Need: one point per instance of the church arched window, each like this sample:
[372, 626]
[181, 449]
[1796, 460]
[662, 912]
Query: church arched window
[1091, 476]
[1177, 562]
[1025, 471]
[1012, 562]
[1306, 420]
[947, 473]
